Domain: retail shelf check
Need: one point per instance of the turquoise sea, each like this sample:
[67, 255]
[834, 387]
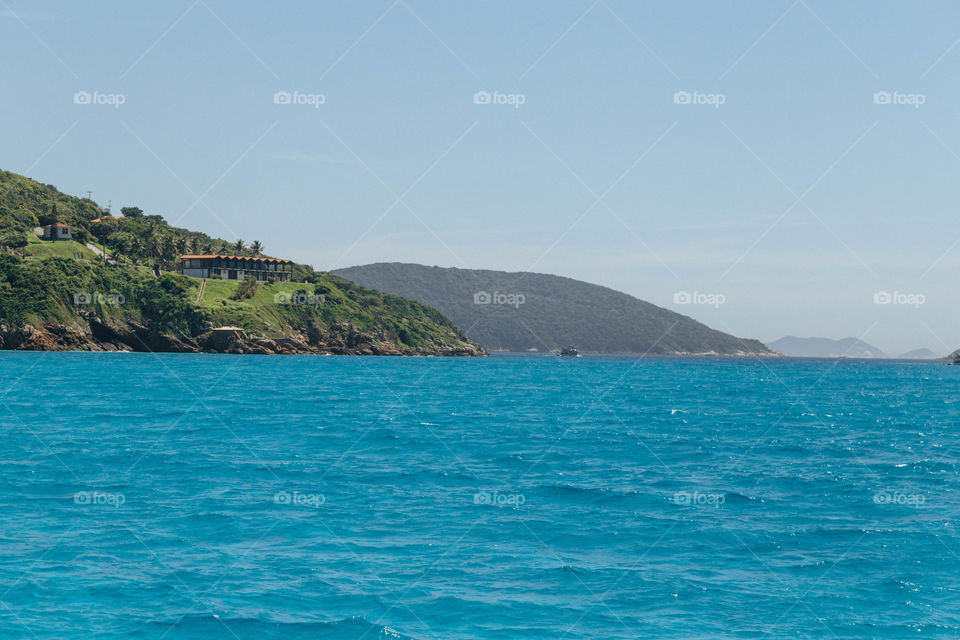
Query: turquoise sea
[236, 497]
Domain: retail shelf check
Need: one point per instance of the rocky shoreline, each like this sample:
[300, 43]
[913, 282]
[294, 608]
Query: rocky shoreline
[341, 339]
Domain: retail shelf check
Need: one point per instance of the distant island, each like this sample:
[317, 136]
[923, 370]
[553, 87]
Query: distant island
[504, 311]
[921, 354]
[75, 277]
[843, 348]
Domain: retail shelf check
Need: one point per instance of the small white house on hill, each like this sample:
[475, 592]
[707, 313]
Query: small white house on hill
[56, 232]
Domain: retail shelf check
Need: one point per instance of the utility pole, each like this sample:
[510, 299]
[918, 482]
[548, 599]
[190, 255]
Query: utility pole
[89, 193]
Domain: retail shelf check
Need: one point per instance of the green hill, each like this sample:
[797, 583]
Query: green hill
[123, 293]
[548, 312]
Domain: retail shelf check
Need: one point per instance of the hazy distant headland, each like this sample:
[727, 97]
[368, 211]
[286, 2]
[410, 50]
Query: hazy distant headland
[843, 348]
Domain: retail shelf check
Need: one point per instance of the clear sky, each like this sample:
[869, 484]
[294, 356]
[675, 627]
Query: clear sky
[784, 184]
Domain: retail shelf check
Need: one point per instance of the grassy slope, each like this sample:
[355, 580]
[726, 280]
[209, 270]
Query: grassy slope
[402, 321]
[61, 249]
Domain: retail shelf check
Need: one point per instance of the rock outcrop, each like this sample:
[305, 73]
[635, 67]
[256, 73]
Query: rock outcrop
[99, 335]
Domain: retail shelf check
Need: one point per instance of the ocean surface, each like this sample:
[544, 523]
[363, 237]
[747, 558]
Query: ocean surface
[294, 497]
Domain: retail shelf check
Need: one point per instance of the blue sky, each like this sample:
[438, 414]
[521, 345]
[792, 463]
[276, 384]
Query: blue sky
[798, 199]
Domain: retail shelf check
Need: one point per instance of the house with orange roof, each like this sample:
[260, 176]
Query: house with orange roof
[236, 267]
[56, 231]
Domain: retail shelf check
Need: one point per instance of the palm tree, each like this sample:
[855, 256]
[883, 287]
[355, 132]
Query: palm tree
[169, 251]
[134, 250]
[256, 247]
[180, 245]
[155, 250]
[239, 246]
[117, 247]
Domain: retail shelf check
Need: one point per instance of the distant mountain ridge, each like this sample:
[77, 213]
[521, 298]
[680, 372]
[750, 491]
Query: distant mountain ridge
[519, 311]
[825, 348]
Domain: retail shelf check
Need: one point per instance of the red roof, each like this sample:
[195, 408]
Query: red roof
[237, 258]
[58, 224]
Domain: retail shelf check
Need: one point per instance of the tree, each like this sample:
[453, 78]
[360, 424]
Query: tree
[155, 250]
[103, 228]
[13, 240]
[239, 247]
[119, 245]
[134, 249]
[169, 251]
[246, 288]
[50, 216]
[131, 212]
[166, 302]
[256, 247]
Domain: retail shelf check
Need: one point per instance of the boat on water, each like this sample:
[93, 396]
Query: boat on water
[569, 351]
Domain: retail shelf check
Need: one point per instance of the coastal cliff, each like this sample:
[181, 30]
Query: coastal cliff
[99, 335]
[59, 304]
